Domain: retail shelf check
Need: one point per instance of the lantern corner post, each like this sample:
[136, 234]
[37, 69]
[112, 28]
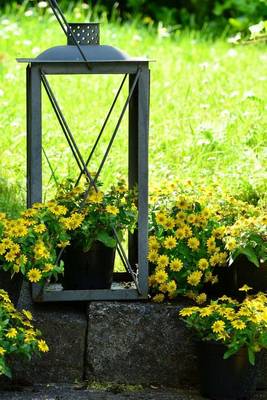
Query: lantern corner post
[138, 171]
[34, 134]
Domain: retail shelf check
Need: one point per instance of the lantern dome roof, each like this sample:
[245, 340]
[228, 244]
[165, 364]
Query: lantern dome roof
[92, 53]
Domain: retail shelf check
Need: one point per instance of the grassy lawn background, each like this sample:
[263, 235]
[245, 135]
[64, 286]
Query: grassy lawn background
[208, 107]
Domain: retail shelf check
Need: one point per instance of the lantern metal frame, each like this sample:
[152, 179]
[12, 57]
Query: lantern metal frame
[137, 103]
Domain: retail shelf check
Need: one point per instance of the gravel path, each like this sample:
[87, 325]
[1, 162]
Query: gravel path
[65, 392]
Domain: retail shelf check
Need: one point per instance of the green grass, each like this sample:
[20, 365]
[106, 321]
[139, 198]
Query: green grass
[208, 105]
[11, 198]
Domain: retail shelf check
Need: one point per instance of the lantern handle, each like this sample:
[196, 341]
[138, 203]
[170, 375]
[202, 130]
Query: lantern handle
[66, 27]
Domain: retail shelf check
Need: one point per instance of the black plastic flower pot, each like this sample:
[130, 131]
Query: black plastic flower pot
[225, 284]
[11, 285]
[88, 270]
[248, 273]
[231, 379]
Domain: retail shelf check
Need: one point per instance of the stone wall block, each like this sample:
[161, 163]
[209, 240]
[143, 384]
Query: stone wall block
[139, 343]
[64, 329]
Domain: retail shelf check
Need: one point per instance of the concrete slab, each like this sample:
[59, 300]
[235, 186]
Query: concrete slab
[67, 392]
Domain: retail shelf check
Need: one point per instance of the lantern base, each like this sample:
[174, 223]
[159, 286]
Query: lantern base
[120, 290]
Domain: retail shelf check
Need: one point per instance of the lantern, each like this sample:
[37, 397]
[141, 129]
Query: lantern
[84, 55]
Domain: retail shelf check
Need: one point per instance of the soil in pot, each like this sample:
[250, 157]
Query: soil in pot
[88, 270]
[231, 379]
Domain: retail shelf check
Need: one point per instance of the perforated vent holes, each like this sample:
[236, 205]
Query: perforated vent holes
[85, 34]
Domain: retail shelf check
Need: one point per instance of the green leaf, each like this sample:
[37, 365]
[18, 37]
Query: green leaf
[234, 256]
[22, 268]
[251, 356]
[7, 371]
[263, 339]
[229, 353]
[120, 235]
[106, 239]
[250, 254]
[88, 244]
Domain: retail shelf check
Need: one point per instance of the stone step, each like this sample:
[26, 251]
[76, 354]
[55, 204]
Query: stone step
[68, 392]
[137, 343]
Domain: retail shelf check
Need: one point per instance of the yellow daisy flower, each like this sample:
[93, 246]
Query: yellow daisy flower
[214, 259]
[153, 256]
[201, 298]
[2, 351]
[2, 249]
[203, 264]
[154, 245]
[180, 233]
[231, 244]
[218, 326]
[161, 276]
[245, 288]
[205, 312]
[193, 243]
[176, 265]
[11, 333]
[169, 223]
[163, 261]
[238, 324]
[27, 314]
[194, 278]
[63, 243]
[182, 203]
[158, 298]
[42, 346]
[39, 228]
[58, 209]
[48, 267]
[10, 256]
[112, 209]
[181, 216]
[188, 311]
[20, 231]
[34, 275]
[170, 242]
[29, 213]
[171, 286]
[191, 218]
[187, 231]
[96, 197]
[163, 287]
[161, 218]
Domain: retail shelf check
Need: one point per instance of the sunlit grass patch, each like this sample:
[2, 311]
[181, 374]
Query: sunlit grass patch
[11, 199]
[208, 105]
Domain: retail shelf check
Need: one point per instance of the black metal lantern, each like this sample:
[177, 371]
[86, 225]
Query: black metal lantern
[84, 55]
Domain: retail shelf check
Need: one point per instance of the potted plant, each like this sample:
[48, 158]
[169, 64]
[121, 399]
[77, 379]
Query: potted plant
[230, 336]
[185, 246]
[246, 240]
[33, 243]
[12, 286]
[28, 244]
[17, 335]
[94, 221]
